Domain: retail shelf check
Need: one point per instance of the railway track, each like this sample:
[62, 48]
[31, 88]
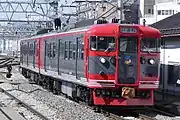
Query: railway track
[24, 105]
[110, 114]
[145, 117]
[161, 112]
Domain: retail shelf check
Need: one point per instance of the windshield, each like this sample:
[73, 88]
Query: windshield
[99, 43]
[128, 44]
[150, 45]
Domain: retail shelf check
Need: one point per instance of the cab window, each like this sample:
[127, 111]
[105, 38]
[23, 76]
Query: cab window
[150, 45]
[128, 44]
[99, 43]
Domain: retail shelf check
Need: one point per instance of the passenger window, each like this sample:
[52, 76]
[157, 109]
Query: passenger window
[66, 50]
[53, 49]
[48, 49]
[62, 49]
[31, 49]
[82, 51]
[36, 48]
[100, 43]
[50, 55]
[70, 50]
[74, 50]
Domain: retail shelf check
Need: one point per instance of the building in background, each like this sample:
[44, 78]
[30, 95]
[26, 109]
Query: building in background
[155, 10]
[128, 10]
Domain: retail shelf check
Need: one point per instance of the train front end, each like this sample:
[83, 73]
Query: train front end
[124, 65]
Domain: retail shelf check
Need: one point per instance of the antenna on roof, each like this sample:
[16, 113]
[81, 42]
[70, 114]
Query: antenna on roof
[57, 23]
[144, 22]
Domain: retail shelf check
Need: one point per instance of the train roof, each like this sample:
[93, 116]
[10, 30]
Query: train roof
[145, 29]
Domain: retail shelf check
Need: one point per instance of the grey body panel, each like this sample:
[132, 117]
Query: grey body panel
[148, 70]
[95, 66]
[67, 58]
[127, 72]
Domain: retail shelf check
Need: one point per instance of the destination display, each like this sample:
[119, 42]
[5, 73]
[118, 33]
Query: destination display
[128, 30]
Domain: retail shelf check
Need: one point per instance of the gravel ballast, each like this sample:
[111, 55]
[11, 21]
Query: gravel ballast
[55, 107]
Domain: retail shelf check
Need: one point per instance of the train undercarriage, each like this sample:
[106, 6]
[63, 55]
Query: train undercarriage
[122, 96]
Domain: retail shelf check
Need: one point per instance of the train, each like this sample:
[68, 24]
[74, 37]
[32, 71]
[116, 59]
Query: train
[105, 64]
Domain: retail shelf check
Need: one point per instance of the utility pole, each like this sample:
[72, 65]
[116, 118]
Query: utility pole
[120, 13]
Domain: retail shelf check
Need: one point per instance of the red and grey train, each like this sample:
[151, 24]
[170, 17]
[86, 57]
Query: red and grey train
[103, 64]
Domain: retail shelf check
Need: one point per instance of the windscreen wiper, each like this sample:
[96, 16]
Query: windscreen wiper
[147, 50]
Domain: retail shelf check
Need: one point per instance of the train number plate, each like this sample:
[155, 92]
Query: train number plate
[128, 92]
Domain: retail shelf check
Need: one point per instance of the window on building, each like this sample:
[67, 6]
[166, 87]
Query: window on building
[170, 12]
[163, 12]
[149, 11]
[159, 12]
[166, 12]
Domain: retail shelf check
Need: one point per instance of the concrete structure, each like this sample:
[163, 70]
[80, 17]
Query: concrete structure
[155, 10]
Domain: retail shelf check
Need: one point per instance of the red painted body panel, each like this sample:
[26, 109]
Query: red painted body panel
[123, 101]
[101, 77]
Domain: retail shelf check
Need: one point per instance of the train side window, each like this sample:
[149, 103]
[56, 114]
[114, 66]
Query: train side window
[30, 49]
[79, 50]
[36, 48]
[62, 49]
[82, 51]
[74, 50]
[70, 50]
[27, 48]
[66, 50]
[53, 49]
[24, 49]
[48, 49]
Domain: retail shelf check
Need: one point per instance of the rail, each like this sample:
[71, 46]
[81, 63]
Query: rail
[145, 117]
[41, 116]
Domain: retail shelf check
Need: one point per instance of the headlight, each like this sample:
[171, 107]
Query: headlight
[152, 61]
[102, 60]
